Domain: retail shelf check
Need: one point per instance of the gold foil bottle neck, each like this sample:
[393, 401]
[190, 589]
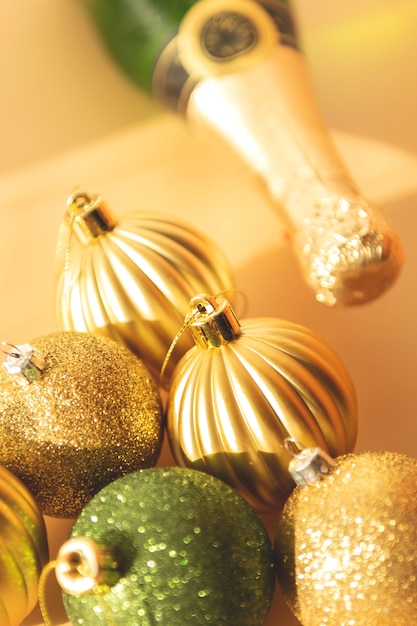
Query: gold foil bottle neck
[212, 321]
[91, 216]
[347, 250]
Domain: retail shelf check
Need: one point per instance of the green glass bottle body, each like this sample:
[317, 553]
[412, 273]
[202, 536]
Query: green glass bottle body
[136, 32]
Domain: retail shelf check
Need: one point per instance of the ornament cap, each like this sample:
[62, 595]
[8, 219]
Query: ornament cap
[83, 565]
[24, 362]
[91, 216]
[309, 465]
[212, 321]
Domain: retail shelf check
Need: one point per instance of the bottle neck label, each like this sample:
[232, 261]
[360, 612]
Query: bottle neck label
[218, 37]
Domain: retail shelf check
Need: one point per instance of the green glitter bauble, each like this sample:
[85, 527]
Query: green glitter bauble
[191, 551]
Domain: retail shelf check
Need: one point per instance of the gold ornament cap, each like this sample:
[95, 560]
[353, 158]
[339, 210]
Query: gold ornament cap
[90, 215]
[212, 321]
[83, 565]
[23, 362]
[309, 465]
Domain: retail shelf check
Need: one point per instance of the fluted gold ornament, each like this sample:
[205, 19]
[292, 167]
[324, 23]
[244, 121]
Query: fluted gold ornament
[93, 415]
[23, 549]
[346, 548]
[247, 386]
[132, 278]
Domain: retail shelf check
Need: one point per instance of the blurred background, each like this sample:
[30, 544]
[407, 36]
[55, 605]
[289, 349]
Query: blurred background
[59, 90]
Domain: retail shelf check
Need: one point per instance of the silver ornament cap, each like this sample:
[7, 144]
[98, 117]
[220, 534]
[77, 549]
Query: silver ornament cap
[23, 362]
[309, 465]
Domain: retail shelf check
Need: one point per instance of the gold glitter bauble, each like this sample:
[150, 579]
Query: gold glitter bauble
[131, 278]
[346, 550]
[244, 388]
[94, 415]
[23, 550]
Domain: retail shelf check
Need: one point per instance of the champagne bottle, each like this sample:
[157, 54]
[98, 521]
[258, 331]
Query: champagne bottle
[236, 67]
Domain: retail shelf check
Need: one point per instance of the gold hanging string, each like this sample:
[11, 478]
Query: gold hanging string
[78, 199]
[42, 592]
[189, 318]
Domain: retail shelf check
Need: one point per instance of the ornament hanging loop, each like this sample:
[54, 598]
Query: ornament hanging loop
[293, 446]
[24, 362]
[202, 305]
[85, 566]
[79, 199]
[308, 465]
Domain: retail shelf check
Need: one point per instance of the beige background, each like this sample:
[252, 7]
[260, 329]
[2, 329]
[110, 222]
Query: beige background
[69, 117]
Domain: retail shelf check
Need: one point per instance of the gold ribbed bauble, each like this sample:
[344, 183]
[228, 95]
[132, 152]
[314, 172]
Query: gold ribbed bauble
[246, 387]
[132, 278]
[346, 549]
[91, 415]
[23, 550]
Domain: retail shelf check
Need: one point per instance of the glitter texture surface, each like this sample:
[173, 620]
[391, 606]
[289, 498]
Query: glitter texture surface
[192, 551]
[346, 550]
[348, 252]
[93, 416]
